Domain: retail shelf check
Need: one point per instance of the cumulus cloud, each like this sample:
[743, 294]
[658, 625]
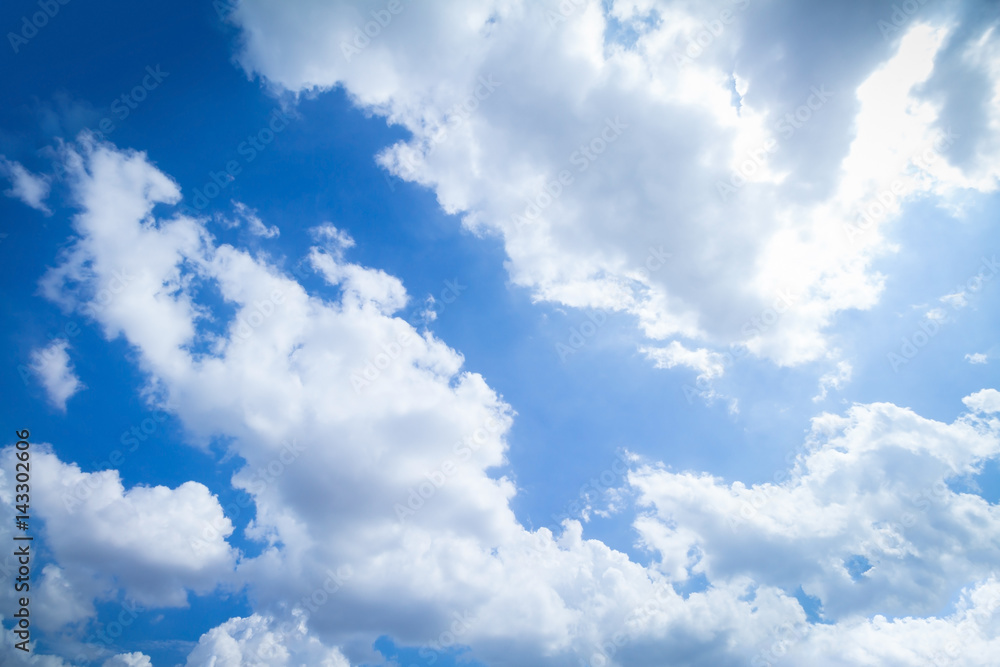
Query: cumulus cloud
[870, 488]
[54, 370]
[986, 401]
[258, 640]
[135, 659]
[967, 636]
[376, 465]
[977, 358]
[106, 538]
[30, 188]
[539, 123]
[58, 602]
[293, 355]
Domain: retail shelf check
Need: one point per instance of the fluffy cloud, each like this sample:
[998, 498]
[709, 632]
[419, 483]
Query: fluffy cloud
[106, 538]
[292, 357]
[376, 467]
[261, 641]
[967, 636]
[58, 602]
[129, 660]
[31, 189]
[585, 134]
[867, 520]
[986, 401]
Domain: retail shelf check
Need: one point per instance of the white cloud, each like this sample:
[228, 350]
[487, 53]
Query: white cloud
[105, 537]
[129, 660]
[331, 463]
[986, 401]
[53, 369]
[872, 484]
[292, 371]
[362, 286]
[58, 602]
[334, 240]
[257, 640]
[836, 379]
[254, 223]
[642, 145]
[968, 636]
[428, 438]
[956, 300]
[31, 189]
[976, 358]
[708, 364]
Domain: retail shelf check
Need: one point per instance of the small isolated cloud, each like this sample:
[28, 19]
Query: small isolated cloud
[254, 223]
[429, 314]
[976, 358]
[986, 401]
[29, 188]
[53, 369]
[332, 239]
[956, 300]
[708, 364]
[835, 379]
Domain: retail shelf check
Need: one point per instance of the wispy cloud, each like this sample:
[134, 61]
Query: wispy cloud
[30, 188]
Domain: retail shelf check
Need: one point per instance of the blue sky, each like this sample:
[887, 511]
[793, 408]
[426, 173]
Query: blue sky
[610, 415]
